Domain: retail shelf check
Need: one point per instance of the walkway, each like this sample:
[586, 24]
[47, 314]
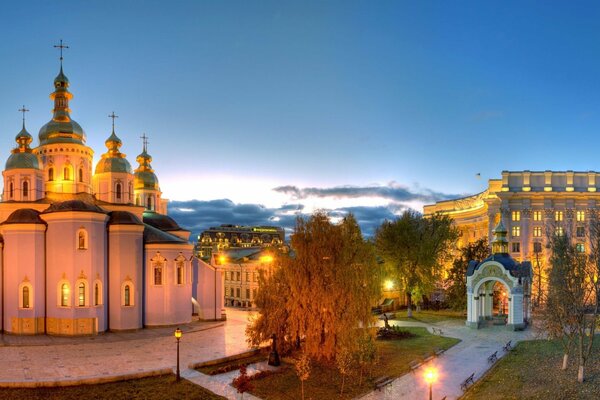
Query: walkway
[455, 365]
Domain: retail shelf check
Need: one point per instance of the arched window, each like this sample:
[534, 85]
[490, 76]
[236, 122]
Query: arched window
[180, 273]
[25, 188]
[64, 295]
[81, 239]
[66, 173]
[137, 200]
[96, 294]
[149, 203]
[81, 294]
[130, 191]
[158, 274]
[25, 296]
[118, 191]
[10, 190]
[80, 174]
[127, 296]
[51, 174]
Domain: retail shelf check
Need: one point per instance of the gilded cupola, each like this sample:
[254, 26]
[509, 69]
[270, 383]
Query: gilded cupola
[113, 160]
[61, 128]
[500, 243]
[144, 177]
[22, 156]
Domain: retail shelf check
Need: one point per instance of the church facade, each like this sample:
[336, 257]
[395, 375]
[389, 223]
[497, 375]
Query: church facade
[86, 250]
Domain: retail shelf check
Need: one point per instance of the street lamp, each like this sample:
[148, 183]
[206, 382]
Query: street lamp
[178, 335]
[431, 375]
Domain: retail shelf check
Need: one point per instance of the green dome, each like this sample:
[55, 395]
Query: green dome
[22, 160]
[111, 164]
[23, 136]
[61, 132]
[61, 79]
[145, 180]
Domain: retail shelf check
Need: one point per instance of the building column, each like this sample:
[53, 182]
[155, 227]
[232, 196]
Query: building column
[515, 317]
[525, 234]
[472, 309]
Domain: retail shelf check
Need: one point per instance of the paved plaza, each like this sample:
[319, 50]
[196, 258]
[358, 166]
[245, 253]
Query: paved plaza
[43, 359]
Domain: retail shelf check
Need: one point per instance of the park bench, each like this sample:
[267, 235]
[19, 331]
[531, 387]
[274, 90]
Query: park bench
[437, 331]
[382, 382]
[469, 381]
[493, 358]
[414, 364]
[508, 346]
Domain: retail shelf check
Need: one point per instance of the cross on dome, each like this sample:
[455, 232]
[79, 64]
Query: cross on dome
[23, 110]
[113, 116]
[61, 46]
[145, 141]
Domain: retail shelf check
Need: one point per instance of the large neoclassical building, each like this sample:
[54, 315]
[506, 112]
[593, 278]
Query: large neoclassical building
[532, 205]
[86, 250]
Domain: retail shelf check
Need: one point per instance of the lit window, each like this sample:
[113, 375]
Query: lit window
[226, 275]
[247, 276]
[580, 232]
[127, 294]
[516, 215]
[558, 216]
[537, 215]
[25, 296]
[64, 295]
[516, 247]
[537, 231]
[580, 215]
[81, 294]
[516, 231]
[559, 231]
[581, 247]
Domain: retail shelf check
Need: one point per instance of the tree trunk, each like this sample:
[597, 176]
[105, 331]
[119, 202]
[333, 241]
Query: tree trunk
[565, 361]
[580, 374]
[343, 379]
[409, 313]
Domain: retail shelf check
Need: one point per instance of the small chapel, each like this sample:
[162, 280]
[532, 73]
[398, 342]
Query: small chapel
[86, 250]
[499, 288]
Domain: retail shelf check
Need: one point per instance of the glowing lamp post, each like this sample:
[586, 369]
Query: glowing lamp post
[431, 376]
[178, 335]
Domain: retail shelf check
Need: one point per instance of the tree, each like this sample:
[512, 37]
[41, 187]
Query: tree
[343, 362]
[572, 303]
[414, 248]
[303, 370]
[365, 353]
[456, 294]
[322, 294]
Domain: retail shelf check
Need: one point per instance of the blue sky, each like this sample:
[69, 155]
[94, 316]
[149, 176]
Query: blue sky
[259, 110]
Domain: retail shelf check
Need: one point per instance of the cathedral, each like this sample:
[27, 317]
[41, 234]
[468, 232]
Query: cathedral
[85, 250]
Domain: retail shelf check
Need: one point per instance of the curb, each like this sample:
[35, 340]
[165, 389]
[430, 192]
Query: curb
[88, 381]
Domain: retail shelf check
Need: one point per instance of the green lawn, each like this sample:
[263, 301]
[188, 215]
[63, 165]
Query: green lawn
[532, 371]
[325, 381]
[155, 388]
[430, 317]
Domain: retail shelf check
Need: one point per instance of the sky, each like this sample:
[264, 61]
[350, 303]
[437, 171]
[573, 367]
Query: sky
[259, 111]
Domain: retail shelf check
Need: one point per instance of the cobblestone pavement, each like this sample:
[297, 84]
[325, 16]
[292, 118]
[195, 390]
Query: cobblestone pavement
[455, 365]
[51, 359]
[38, 359]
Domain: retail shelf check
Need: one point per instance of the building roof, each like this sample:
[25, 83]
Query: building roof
[24, 216]
[74, 205]
[22, 160]
[515, 268]
[123, 218]
[113, 164]
[161, 221]
[154, 235]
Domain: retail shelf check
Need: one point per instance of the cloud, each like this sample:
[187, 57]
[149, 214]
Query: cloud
[198, 215]
[392, 191]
